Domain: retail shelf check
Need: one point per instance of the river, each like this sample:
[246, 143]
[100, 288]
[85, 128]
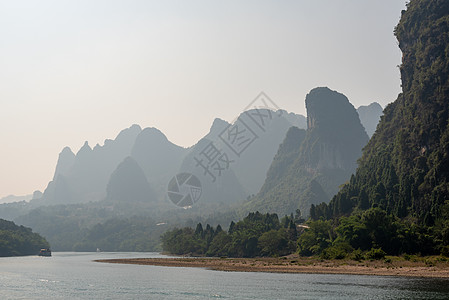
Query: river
[74, 275]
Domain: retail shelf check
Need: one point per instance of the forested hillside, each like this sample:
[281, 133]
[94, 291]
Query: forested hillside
[19, 240]
[404, 170]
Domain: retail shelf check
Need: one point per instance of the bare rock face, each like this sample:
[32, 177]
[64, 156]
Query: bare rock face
[335, 135]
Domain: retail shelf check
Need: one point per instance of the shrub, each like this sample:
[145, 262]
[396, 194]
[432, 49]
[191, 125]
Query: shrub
[337, 251]
[357, 255]
[429, 263]
[376, 253]
[333, 253]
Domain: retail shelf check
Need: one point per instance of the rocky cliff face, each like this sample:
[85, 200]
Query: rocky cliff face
[310, 165]
[335, 135]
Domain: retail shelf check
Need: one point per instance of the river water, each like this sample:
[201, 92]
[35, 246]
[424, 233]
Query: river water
[74, 275]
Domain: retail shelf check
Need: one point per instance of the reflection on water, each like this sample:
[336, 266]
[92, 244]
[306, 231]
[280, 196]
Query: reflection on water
[72, 275]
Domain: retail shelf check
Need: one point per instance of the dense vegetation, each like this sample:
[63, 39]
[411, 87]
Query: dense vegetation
[19, 240]
[404, 170]
[256, 235]
[370, 234]
[370, 230]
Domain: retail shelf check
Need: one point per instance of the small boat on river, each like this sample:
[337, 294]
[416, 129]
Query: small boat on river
[45, 252]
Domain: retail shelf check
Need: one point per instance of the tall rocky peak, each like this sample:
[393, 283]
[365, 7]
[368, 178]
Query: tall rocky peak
[311, 164]
[370, 116]
[405, 166]
[335, 135]
[324, 107]
[66, 160]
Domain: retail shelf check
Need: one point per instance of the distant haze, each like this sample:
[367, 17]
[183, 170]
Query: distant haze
[72, 71]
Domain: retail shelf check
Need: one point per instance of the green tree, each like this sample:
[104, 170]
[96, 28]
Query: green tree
[274, 243]
[316, 238]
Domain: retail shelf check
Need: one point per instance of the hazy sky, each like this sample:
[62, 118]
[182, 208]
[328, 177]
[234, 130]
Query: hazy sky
[72, 71]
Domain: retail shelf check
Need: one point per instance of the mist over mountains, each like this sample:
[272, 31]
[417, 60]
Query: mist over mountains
[86, 176]
[13, 198]
[366, 182]
[369, 182]
[243, 165]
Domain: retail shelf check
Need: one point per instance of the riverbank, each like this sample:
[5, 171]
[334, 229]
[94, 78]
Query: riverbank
[433, 267]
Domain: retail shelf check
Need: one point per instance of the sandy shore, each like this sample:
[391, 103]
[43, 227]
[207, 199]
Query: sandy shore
[397, 267]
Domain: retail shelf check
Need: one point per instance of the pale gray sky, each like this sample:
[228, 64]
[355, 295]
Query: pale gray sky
[78, 70]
